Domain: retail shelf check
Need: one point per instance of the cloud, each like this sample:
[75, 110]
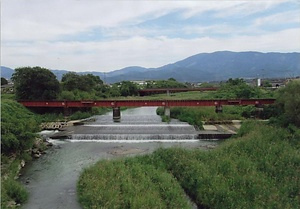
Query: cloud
[146, 52]
[280, 18]
[109, 35]
[39, 20]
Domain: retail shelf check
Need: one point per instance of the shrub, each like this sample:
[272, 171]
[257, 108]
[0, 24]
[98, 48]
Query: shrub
[15, 190]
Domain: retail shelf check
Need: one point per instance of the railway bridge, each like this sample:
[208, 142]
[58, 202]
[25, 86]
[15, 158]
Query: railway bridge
[116, 104]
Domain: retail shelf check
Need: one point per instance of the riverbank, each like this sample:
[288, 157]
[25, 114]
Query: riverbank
[257, 169]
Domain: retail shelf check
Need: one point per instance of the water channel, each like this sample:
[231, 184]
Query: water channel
[51, 180]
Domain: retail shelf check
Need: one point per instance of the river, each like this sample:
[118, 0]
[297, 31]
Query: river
[51, 180]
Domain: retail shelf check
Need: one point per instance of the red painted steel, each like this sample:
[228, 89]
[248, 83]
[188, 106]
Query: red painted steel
[140, 103]
[143, 92]
[179, 89]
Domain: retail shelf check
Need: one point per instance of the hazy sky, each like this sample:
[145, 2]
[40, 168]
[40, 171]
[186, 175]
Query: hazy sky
[95, 35]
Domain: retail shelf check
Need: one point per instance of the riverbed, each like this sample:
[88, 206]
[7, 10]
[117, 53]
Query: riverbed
[51, 180]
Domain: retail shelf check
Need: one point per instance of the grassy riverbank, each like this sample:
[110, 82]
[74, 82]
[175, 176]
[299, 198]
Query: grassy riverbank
[18, 128]
[257, 169]
[195, 115]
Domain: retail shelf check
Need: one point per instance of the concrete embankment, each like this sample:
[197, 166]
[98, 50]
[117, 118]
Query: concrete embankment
[61, 125]
[219, 129]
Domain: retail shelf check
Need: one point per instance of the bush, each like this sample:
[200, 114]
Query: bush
[15, 190]
[18, 126]
[129, 184]
[288, 102]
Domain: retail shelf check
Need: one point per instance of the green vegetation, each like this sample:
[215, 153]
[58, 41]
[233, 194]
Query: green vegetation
[160, 84]
[237, 88]
[35, 84]
[18, 128]
[78, 87]
[257, 169]
[195, 115]
[288, 104]
[129, 183]
[124, 88]
[94, 111]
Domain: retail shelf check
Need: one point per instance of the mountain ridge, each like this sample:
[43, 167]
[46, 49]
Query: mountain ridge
[215, 66]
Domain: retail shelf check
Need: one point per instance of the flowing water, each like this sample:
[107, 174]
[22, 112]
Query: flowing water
[51, 180]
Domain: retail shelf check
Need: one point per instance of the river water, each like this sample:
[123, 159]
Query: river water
[51, 180]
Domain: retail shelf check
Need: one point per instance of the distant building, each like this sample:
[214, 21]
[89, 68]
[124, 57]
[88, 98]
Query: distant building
[140, 82]
[258, 82]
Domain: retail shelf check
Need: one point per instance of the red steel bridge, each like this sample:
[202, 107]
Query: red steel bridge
[142, 103]
[144, 92]
[116, 104]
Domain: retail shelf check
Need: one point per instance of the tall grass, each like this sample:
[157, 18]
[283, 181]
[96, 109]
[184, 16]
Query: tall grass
[196, 115]
[257, 169]
[129, 184]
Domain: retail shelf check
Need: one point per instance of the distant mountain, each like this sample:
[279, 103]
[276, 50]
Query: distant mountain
[222, 66]
[214, 66]
[6, 72]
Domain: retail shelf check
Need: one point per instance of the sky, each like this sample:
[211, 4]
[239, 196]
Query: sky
[106, 35]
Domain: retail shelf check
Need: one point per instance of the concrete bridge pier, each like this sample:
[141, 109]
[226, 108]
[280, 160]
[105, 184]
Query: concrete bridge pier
[168, 92]
[116, 114]
[67, 111]
[259, 109]
[219, 109]
[167, 111]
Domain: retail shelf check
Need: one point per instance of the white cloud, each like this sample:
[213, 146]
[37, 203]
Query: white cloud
[26, 20]
[32, 33]
[281, 18]
[146, 52]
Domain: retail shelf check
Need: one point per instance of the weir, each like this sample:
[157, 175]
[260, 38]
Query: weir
[141, 137]
[140, 124]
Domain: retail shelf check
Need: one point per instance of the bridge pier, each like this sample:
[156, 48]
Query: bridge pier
[167, 111]
[219, 109]
[116, 114]
[259, 111]
[67, 111]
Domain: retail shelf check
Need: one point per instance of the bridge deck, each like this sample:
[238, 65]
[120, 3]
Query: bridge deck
[144, 92]
[141, 103]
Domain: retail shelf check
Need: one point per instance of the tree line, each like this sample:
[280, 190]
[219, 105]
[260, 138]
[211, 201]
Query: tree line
[37, 83]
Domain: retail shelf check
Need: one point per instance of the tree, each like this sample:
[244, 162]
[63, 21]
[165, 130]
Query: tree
[70, 81]
[170, 83]
[288, 102]
[237, 88]
[128, 88]
[35, 83]
[88, 82]
[3, 81]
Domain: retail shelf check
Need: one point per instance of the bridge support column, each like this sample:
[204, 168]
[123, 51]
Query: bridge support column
[259, 111]
[168, 92]
[67, 111]
[167, 111]
[116, 114]
[219, 109]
